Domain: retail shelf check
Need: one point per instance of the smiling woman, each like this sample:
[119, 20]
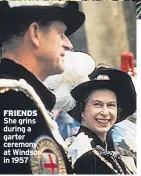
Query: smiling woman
[100, 103]
[100, 112]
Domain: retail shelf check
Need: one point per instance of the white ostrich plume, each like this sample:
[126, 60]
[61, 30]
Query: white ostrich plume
[78, 66]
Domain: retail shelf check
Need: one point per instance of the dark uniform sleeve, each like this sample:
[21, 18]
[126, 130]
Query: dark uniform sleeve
[89, 163]
[13, 100]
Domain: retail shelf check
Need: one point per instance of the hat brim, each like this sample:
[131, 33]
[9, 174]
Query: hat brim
[126, 96]
[17, 16]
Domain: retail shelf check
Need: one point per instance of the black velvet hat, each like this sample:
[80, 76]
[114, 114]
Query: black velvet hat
[13, 16]
[107, 78]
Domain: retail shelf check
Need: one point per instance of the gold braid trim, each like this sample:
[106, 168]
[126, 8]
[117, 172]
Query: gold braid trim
[105, 161]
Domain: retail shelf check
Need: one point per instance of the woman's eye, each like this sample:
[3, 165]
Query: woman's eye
[112, 105]
[97, 104]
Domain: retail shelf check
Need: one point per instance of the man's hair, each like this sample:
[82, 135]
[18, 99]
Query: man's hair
[14, 38]
[11, 43]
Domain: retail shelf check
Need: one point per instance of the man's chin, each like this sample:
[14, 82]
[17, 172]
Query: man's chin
[58, 70]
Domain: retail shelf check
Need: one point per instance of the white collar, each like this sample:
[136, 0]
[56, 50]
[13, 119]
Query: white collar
[80, 145]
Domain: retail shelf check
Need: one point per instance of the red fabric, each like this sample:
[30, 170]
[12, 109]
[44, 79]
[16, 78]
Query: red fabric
[127, 62]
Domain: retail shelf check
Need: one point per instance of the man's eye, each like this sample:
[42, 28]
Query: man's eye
[61, 34]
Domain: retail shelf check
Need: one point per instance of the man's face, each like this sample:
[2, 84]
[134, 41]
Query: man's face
[53, 44]
[100, 112]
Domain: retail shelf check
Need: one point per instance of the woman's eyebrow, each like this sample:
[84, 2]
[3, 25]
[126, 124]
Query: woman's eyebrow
[93, 101]
[112, 102]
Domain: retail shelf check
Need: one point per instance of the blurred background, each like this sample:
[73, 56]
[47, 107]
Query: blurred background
[109, 29]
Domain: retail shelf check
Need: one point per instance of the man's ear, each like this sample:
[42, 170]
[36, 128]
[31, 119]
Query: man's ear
[34, 33]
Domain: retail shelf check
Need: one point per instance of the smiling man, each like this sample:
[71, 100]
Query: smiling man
[34, 38]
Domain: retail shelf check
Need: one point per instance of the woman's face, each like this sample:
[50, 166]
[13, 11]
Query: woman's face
[100, 111]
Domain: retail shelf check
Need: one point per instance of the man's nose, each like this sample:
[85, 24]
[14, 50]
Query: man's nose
[67, 44]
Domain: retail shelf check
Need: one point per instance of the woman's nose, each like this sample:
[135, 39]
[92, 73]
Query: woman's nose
[105, 110]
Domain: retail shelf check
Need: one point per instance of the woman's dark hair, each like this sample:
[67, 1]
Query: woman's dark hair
[80, 106]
